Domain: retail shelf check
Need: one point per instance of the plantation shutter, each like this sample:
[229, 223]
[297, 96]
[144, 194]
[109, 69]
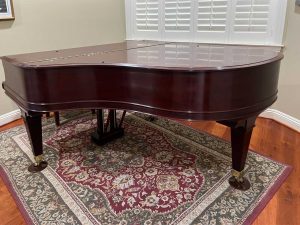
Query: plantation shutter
[213, 21]
[251, 21]
[145, 19]
[177, 19]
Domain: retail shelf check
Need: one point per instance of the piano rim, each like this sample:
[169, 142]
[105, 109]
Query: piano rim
[236, 113]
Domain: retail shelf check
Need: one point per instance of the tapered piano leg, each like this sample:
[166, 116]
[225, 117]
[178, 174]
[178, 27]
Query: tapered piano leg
[241, 132]
[57, 120]
[33, 124]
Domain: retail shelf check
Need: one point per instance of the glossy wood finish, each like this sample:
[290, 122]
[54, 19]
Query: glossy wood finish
[186, 80]
[33, 124]
[269, 138]
[180, 80]
[152, 55]
[241, 131]
[56, 118]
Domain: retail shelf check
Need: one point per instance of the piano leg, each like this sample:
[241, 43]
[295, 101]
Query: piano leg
[33, 124]
[56, 118]
[241, 131]
[151, 118]
[102, 136]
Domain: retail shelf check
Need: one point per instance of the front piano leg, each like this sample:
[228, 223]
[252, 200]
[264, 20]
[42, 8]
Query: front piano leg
[33, 124]
[241, 131]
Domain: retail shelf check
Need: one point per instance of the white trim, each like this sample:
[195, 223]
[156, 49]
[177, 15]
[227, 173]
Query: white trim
[282, 118]
[278, 27]
[9, 117]
[128, 15]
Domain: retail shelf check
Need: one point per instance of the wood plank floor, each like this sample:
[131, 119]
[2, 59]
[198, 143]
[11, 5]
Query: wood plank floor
[269, 138]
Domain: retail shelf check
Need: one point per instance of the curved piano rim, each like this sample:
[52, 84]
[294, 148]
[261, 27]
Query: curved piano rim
[237, 113]
[240, 111]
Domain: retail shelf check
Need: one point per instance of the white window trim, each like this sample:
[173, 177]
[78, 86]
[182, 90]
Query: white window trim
[275, 36]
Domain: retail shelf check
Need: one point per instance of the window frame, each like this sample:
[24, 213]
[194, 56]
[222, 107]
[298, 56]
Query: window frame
[274, 36]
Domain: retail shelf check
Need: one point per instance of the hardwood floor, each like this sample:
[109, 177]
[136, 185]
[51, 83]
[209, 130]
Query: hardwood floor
[9, 213]
[269, 138]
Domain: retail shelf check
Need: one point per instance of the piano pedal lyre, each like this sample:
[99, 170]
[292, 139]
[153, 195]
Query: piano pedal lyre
[102, 134]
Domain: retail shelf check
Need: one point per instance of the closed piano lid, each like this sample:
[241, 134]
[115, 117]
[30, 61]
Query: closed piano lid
[154, 55]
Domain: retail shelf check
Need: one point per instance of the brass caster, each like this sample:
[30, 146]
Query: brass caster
[34, 168]
[39, 164]
[238, 181]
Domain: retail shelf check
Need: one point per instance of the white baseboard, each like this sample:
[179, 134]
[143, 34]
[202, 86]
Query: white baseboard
[282, 118]
[269, 113]
[9, 117]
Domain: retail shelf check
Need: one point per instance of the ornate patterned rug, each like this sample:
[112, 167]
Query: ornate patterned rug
[160, 172]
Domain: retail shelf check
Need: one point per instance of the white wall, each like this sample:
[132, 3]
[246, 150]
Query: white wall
[55, 24]
[289, 83]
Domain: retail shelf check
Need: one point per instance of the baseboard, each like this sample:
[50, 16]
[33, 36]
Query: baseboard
[274, 114]
[9, 117]
[282, 118]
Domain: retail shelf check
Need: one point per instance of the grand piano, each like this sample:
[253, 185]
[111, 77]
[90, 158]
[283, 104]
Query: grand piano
[230, 84]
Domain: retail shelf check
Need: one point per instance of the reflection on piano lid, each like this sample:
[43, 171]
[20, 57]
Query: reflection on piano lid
[152, 54]
[205, 81]
[195, 55]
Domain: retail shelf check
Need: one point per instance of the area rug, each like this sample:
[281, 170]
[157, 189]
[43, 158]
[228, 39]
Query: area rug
[160, 172]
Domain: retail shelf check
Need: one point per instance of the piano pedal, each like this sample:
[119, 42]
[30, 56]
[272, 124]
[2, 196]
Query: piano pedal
[151, 118]
[107, 136]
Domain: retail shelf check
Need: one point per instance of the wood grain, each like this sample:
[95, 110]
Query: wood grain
[269, 138]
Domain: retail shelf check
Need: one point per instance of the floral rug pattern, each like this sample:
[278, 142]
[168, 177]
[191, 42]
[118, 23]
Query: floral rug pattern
[160, 172]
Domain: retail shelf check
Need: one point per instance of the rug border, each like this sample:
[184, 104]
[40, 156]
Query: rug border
[16, 198]
[249, 220]
[269, 194]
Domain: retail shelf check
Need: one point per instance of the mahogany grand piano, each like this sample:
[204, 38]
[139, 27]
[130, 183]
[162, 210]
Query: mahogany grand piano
[230, 84]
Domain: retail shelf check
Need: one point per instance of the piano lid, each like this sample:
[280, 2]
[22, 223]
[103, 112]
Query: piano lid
[153, 54]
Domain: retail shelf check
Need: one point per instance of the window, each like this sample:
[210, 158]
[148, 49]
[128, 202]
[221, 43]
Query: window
[213, 21]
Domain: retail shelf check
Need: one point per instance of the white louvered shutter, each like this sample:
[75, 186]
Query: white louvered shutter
[178, 18]
[146, 19]
[212, 20]
[251, 21]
